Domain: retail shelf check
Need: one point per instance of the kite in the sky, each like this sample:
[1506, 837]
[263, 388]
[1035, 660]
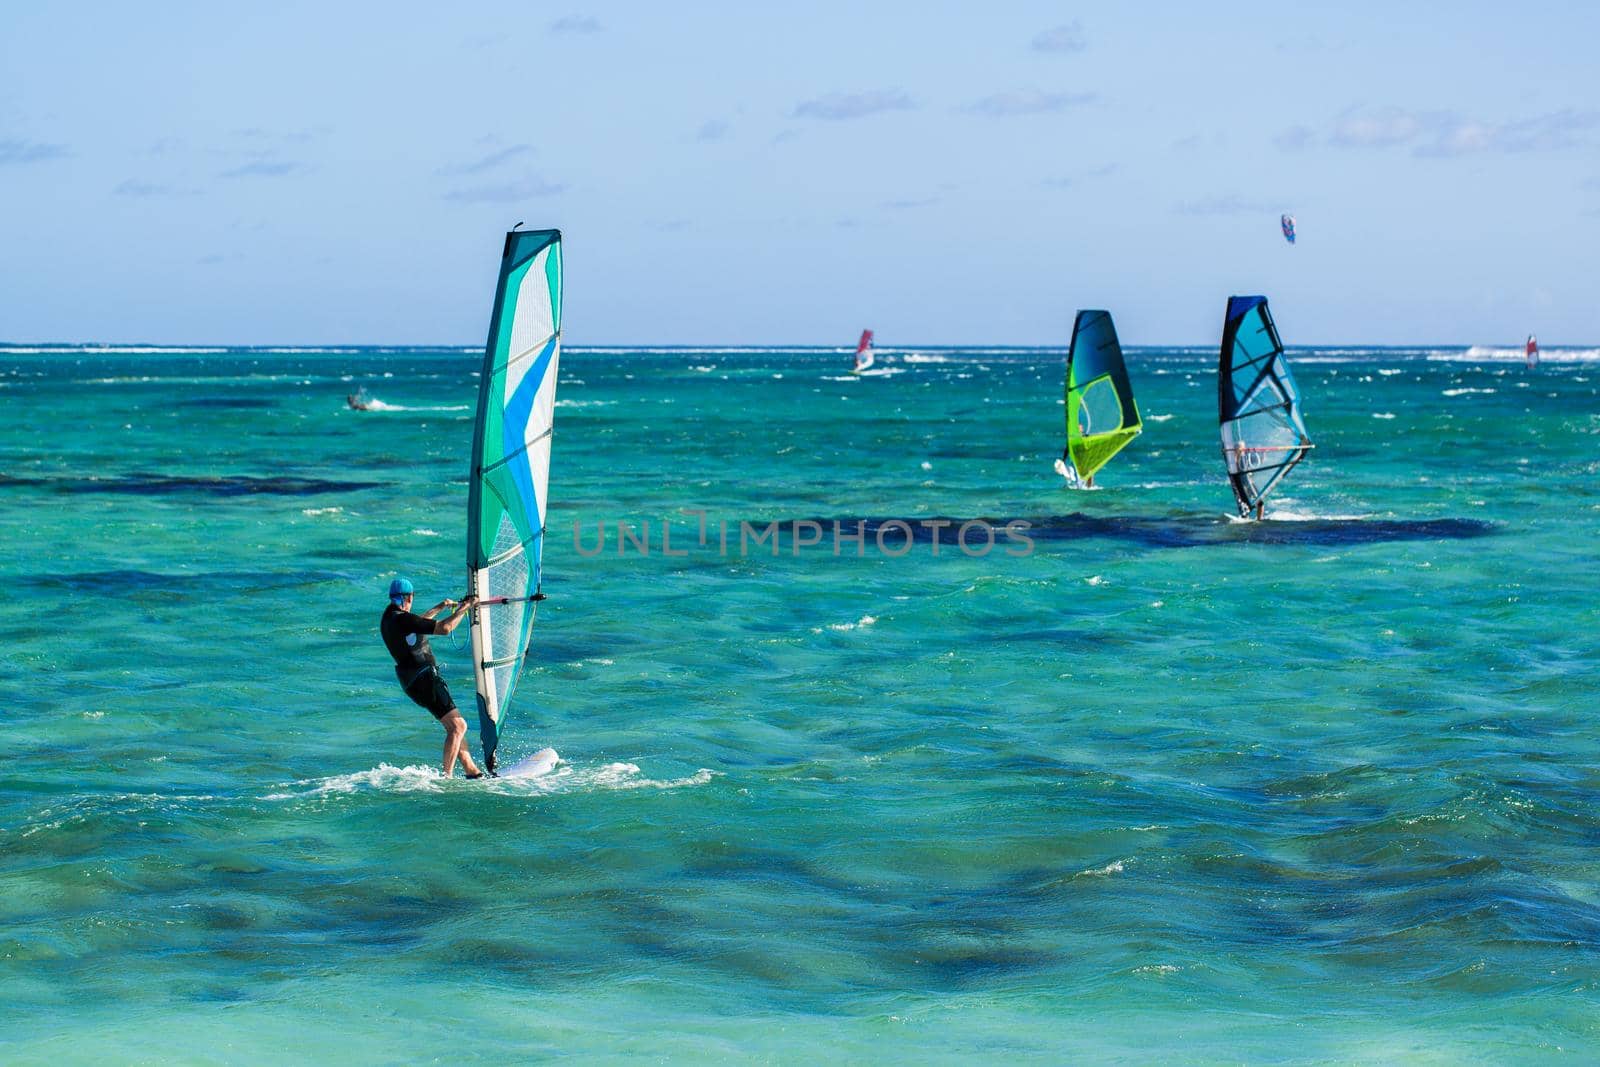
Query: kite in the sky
[1287, 222]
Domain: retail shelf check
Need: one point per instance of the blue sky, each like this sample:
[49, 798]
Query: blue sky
[947, 173]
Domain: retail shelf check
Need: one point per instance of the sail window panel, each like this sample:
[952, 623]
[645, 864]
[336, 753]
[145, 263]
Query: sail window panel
[1099, 408]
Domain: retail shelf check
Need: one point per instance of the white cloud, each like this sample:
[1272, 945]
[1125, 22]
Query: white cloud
[1027, 102]
[15, 152]
[576, 24]
[1068, 38]
[490, 161]
[841, 106]
[145, 190]
[711, 130]
[261, 168]
[505, 192]
[1443, 133]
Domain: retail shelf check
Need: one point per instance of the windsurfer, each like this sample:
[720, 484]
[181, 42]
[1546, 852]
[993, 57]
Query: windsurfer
[1239, 454]
[406, 636]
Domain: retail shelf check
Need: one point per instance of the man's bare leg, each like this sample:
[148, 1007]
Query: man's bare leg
[455, 732]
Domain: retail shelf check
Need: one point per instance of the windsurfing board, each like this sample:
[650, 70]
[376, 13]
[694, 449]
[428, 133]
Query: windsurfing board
[541, 762]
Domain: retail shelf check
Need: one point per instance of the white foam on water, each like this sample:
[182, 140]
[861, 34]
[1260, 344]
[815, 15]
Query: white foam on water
[586, 403]
[1157, 418]
[1383, 414]
[1464, 392]
[380, 405]
[846, 627]
[382, 778]
[1289, 514]
[1114, 867]
[564, 778]
[320, 511]
[627, 776]
[924, 357]
[1492, 354]
[1095, 579]
[423, 531]
[695, 350]
[110, 350]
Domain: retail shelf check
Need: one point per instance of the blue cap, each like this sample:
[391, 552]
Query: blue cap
[399, 587]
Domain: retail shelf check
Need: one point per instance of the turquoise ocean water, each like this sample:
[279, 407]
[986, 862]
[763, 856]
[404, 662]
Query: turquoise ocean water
[1165, 786]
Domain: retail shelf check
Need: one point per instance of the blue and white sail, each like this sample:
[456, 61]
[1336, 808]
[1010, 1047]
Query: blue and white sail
[506, 500]
[1258, 404]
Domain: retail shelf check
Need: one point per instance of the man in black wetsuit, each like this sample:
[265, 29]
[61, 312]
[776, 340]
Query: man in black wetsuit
[406, 637]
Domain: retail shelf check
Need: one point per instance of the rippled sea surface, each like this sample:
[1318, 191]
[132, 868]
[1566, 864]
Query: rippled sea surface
[1137, 782]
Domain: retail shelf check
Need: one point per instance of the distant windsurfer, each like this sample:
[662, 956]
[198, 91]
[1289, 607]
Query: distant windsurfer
[406, 637]
[864, 353]
[1531, 352]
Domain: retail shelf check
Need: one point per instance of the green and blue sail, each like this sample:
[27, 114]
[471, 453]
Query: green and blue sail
[1101, 414]
[511, 469]
[1258, 404]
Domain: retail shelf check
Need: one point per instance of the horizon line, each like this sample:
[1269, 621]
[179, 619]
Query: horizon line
[732, 345]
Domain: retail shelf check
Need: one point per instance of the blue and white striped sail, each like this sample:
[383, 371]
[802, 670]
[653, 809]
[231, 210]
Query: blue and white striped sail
[511, 470]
